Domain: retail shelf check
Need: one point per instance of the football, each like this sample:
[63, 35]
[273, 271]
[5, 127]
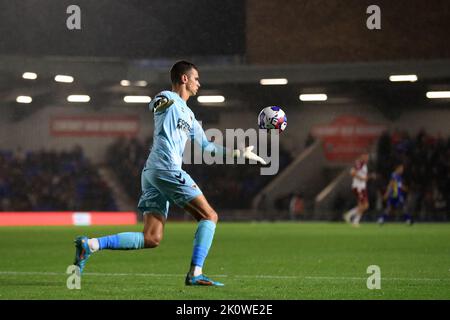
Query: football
[272, 118]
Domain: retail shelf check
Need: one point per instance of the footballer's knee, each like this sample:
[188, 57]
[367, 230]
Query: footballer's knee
[152, 240]
[200, 209]
[209, 214]
[213, 216]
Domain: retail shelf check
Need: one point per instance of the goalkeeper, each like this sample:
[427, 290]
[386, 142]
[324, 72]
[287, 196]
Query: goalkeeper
[164, 182]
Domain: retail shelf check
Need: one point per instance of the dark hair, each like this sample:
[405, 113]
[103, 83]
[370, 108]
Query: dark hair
[180, 68]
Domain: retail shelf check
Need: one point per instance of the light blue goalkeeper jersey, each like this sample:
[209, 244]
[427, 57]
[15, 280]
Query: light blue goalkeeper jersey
[173, 126]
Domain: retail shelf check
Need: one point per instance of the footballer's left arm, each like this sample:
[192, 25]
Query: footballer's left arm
[198, 135]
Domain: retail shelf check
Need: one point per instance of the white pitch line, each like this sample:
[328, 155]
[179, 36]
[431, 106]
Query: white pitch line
[30, 273]
[393, 279]
[161, 275]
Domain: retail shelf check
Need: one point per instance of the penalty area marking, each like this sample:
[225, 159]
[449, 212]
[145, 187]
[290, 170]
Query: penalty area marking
[162, 275]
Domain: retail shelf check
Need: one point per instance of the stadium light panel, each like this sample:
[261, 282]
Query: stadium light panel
[141, 83]
[273, 82]
[438, 94]
[29, 75]
[403, 78]
[24, 99]
[313, 97]
[78, 98]
[137, 99]
[63, 78]
[211, 99]
[125, 83]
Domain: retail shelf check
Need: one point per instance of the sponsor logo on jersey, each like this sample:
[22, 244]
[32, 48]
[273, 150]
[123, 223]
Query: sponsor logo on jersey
[183, 125]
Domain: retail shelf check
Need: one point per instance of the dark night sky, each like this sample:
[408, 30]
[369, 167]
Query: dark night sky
[133, 28]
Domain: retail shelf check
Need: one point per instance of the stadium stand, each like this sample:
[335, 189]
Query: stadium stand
[48, 180]
[427, 175]
[226, 186]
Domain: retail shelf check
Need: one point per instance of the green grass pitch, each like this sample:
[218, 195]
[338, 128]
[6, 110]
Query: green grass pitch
[276, 261]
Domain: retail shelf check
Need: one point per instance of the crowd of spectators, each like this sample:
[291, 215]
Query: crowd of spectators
[66, 180]
[427, 175]
[230, 186]
[51, 181]
[126, 157]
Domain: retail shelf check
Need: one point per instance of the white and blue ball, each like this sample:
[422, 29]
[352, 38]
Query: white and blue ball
[272, 117]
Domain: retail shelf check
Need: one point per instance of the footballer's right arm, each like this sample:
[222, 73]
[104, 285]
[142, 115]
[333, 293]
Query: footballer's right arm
[160, 103]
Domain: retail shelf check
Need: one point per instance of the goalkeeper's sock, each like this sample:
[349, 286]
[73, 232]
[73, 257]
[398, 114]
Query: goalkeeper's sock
[202, 242]
[93, 244]
[121, 241]
[196, 271]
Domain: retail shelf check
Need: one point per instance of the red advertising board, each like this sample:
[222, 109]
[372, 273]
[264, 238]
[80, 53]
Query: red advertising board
[67, 218]
[346, 137]
[94, 125]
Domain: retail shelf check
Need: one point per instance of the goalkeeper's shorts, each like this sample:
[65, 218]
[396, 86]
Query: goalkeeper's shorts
[160, 188]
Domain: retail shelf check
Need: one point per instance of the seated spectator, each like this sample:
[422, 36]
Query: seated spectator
[48, 180]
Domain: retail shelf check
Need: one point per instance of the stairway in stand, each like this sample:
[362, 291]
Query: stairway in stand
[123, 201]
